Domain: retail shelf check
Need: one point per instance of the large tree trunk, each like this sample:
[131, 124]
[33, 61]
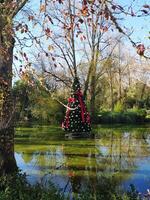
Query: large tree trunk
[111, 93]
[7, 160]
[143, 91]
[93, 93]
[120, 85]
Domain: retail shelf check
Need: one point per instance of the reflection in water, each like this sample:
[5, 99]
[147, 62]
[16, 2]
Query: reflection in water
[122, 154]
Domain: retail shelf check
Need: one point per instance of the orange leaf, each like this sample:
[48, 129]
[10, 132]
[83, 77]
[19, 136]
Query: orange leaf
[42, 8]
[31, 17]
[50, 47]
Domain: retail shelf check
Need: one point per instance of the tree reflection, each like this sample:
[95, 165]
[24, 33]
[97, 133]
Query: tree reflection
[114, 154]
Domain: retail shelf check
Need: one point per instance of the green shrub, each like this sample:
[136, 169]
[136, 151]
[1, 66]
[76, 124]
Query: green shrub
[119, 107]
[15, 187]
[130, 116]
[106, 190]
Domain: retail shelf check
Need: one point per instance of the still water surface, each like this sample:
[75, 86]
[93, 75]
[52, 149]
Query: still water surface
[120, 152]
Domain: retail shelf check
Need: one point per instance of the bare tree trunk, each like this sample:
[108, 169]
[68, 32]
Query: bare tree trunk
[92, 101]
[93, 91]
[129, 76]
[143, 91]
[88, 80]
[111, 93]
[120, 86]
[7, 160]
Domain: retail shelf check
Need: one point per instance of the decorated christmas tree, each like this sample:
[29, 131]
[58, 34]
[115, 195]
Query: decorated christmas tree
[77, 119]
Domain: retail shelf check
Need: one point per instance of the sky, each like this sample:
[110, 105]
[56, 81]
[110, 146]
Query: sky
[141, 26]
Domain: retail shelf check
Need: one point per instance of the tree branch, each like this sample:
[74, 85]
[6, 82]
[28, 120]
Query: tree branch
[19, 6]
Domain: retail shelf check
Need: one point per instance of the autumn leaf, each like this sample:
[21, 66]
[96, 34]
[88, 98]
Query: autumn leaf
[81, 38]
[18, 27]
[26, 28]
[84, 37]
[42, 8]
[140, 49]
[46, 54]
[48, 32]
[71, 174]
[91, 1]
[85, 2]
[50, 47]
[25, 56]
[113, 7]
[53, 58]
[22, 30]
[89, 19]
[84, 11]
[60, 1]
[81, 21]
[31, 17]
[106, 14]
[146, 6]
[104, 28]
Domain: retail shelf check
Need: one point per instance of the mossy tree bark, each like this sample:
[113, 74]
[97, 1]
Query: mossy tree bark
[7, 159]
[8, 10]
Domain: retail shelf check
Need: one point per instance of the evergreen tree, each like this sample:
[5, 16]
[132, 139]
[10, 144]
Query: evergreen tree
[77, 119]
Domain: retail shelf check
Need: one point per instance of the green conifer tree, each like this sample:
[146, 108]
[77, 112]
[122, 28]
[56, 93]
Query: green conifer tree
[77, 119]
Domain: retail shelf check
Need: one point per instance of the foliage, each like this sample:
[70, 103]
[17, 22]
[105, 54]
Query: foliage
[16, 187]
[129, 116]
[36, 104]
[119, 107]
[108, 191]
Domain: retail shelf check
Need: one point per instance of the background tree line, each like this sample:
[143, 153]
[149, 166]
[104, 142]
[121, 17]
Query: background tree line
[122, 90]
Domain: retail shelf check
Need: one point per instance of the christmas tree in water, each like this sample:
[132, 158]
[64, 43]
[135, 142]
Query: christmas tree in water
[77, 119]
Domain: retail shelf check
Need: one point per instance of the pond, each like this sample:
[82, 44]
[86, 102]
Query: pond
[121, 153]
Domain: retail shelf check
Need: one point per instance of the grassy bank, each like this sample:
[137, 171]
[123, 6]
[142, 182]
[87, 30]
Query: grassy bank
[15, 187]
[131, 116]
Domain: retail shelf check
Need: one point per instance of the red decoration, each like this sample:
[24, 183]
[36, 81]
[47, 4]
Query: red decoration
[82, 106]
[84, 2]
[71, 174]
